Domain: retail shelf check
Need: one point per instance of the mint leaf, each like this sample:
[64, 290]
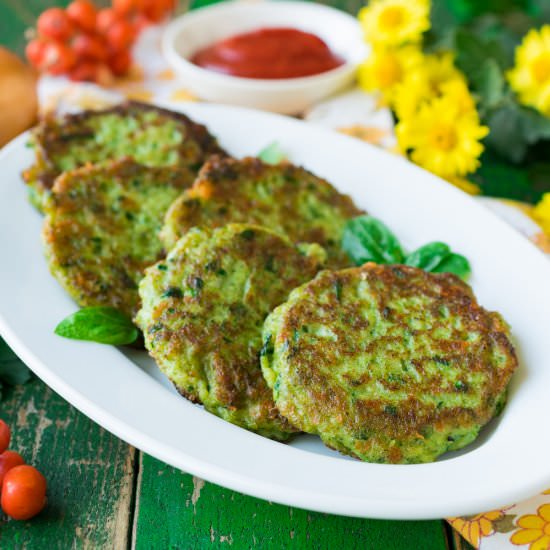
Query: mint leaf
[272, 154]
[366, 239]
[102, 324]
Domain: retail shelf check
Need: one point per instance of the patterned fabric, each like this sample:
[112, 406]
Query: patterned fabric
[524, 525]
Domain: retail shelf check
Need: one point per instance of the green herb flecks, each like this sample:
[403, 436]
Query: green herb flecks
[102, 324]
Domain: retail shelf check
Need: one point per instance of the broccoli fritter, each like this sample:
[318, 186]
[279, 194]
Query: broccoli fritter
[387, 363]
[150, 135]
[101, 229]
[203, 311]
[285, 198]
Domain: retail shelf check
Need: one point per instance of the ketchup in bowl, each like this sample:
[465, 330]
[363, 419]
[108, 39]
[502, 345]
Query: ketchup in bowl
[270, 53]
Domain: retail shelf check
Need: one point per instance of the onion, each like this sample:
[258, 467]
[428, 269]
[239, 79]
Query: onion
[18, 101]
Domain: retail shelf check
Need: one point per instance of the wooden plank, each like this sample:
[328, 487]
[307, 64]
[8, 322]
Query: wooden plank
[179, 511]
[89, 473]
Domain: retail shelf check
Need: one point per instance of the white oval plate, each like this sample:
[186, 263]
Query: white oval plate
[126, 395]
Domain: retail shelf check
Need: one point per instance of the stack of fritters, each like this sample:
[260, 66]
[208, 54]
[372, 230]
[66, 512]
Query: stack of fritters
[105, 179]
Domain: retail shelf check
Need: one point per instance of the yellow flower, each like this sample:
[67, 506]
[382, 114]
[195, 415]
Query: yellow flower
[530, 77]
[534, 529]
[475, 527]
[465, 185]
[385, 68]
[541, 213]
[442, 139]
[434, 76]
[395, 22]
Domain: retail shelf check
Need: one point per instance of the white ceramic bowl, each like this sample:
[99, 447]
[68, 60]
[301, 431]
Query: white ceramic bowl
[198, 29]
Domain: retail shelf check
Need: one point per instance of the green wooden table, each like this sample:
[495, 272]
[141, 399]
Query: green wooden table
[103, 493]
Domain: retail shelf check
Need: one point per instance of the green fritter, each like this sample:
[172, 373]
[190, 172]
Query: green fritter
[285, 198]
[202, 314]
[389, 364]
[150, 135]
[101, 229]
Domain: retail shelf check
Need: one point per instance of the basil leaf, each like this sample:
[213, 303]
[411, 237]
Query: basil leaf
[12, 370]
[102, 324]
[429, 256]
[272, 154]
[438, 258]
[455, 263]
[366, 239]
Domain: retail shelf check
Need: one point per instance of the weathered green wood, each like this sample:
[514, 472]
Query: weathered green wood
[89, 474]
[177, 511]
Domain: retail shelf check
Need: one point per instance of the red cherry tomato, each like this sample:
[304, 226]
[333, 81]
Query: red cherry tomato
[127, 7]
[120, 36]
[35, 51]
[58, 58]
[5, 436]
[105, 19]
[55, 23]
[83, 14]
[9, 460]
[154, 10]
[120, 62]
[140, 22]
[84, 71]
[23, 492]
[89, 47]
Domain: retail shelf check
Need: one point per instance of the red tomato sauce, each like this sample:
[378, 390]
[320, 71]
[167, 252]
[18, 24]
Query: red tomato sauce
[269, 53]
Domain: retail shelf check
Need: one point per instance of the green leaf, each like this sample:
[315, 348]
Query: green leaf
[472, 51]
[454, 263]
[507, 137]
[490, 84]
[272, 154]
[535, 126]
[105, 325]
[366, 239]
[437, 257]
[429, 256]
[12, 370]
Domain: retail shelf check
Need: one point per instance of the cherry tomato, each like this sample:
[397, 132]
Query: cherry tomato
[84, 71]
[140, 22]
[89, 47]
[154, 10]
[127, 7]
[83, 14]
[120, 36]
[120, 62]
[105, 19]
[9, 460]
[35, 51]
[5, 436]
[23, 492]
[55, 23]
[58, 58]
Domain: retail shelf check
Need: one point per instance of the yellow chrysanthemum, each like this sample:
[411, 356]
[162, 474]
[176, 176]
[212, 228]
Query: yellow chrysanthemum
[385, 68]
[541, 213]
[436, 75]
[441, 139]
[530, 77]
[534, 529]
[465, 185]
[395, 22]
